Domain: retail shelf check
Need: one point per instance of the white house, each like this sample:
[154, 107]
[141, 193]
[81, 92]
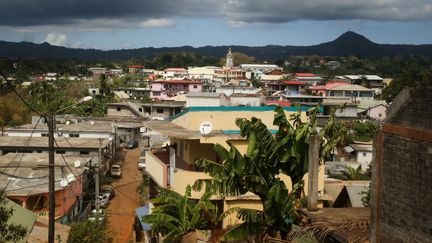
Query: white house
[353, 91]
[228, 90]
[373, 109]
[206, 99]
[363, 152]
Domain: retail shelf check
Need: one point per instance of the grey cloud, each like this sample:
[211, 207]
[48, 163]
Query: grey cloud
[96, 13]
[279, 11]
[25, 13]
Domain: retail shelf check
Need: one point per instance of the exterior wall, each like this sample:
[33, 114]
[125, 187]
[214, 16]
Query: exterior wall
[349, 111]
[375, 112]
[225, 120]
[245, 101]
[157, 169]
[124, 111]
[402, 187]
[193, 89]
[232, 219]
[364, 156]
[184, 178]
[202, 101]
[194, 150]
[39, 134]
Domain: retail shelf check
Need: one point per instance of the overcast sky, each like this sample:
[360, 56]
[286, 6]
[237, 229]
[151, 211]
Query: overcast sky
[123, 24]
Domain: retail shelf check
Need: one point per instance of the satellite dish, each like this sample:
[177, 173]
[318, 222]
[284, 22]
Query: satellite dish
[67, 122]
[91, 122]
[64, 182]
[77, 163]
[206, 127]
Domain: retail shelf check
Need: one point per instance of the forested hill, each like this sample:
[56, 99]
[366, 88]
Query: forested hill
[349, 43]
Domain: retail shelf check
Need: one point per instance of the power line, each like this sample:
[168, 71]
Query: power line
[22, 155]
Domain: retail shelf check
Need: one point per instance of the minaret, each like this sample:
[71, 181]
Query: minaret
[229, 59]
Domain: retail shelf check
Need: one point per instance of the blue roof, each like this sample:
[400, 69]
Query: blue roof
[140, 213]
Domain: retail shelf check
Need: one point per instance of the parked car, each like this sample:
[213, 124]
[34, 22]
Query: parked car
[108, 191]
[115, 171]
[141, 163]
[131, 144]
[92, 215]
[103, 200]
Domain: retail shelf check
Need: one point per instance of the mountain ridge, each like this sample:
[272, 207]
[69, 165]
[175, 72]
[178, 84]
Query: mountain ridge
[349, 43]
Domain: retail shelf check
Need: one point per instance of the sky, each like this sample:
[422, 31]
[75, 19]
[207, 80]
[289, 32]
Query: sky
[126, 24]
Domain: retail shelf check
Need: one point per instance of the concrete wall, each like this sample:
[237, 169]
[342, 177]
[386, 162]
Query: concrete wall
[245, 101]
[364, 156]
[195, 87]
[375, 112]
[184, 178]
[124, 111]
[232, 219]
[225, 120]
[203, 101]
[157, 169]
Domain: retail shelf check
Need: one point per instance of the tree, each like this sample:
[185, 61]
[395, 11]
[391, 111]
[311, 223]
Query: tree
[89, 232]
[9, 232]
[258, 171]
[175, 215]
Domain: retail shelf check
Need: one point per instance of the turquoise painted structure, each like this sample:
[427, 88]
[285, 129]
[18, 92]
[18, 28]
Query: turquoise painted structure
[240, 108]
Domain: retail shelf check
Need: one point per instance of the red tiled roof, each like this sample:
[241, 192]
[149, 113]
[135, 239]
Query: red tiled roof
[178, 81]
[327, 86]
[283, 103]
[294, 82]
[136, 66]
[304, 75]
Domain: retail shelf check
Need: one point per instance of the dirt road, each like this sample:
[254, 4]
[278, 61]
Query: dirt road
[121, 210]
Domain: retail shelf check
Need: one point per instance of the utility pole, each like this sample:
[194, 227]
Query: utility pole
[97, 179]
[313, 156]
[51, 178]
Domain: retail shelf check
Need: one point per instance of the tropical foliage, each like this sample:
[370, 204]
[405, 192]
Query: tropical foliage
[89, 232]
[9, 232]
[364, 130]
[259, 170]
[175, 215]
[353, 174]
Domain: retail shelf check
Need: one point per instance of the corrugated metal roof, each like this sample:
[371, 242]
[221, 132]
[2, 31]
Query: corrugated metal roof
[21, 216]
[140, 213]
[350, 87]
[355, 193]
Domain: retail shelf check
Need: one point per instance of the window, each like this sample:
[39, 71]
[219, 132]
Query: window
[159, 110]
[364, 154]
[118, 108]
[84, 152]
[44, 134]
[140, 109]
[185, 86]
[60, 152]
[195, 86]
[380, 115]
[73, 135]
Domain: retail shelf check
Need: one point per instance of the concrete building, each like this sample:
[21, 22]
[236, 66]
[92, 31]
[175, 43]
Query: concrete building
[157, 110]
[162, 89]
[26, 177]
[173, 166]
[353, 91]
[373, 109]
[401, 180]
[310, 78]
[206, 99]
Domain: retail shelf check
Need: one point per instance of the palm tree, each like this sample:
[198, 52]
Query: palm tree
[175, 215]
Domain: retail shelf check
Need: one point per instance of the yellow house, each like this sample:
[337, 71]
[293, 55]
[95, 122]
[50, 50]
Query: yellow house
[173, 167]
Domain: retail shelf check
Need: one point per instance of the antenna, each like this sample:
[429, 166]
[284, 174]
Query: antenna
[206, 128]
[63, 182]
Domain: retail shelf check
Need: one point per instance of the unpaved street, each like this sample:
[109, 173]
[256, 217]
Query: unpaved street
[121, 210]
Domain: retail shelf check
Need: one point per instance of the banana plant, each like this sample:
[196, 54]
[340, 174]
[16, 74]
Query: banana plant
[175, 215]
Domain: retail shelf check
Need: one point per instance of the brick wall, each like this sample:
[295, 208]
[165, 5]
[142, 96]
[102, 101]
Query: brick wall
[402, 174]
[406, 200]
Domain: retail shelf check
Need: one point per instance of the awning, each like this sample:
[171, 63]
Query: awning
[348, 149]
[140, 213]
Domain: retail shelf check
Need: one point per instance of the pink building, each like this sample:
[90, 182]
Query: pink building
[322, 90]
[168, 88]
